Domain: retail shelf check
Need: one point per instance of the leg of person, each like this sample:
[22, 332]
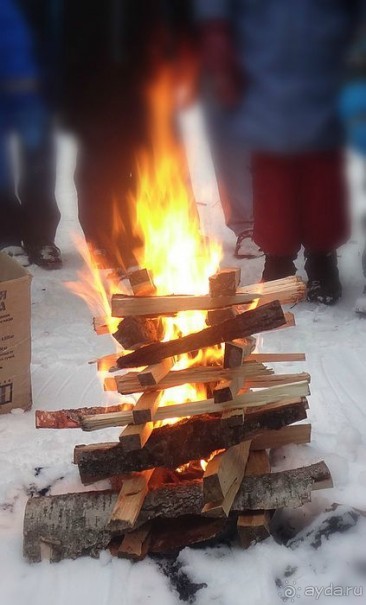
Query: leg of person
[36, 187]
[325, 222]
[10, 232]
[232, 167]
[276, 217]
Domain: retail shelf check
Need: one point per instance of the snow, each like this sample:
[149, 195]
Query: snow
[327, 536]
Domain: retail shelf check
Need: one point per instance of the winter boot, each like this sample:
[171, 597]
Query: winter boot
[47, 255]
[323, 277]
[277, 267]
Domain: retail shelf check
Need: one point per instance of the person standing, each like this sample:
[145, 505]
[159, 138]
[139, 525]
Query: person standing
[280, 63]
[28, 222]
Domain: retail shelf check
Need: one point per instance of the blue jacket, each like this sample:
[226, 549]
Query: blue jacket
[292, 53]
[16, 58]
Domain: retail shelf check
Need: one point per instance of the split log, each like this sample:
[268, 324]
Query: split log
[134, 332]
[77, 524]
[297, 434]
[171, 535]
[191, 439]
[288, 290]
[153, 374]
[129, 383]
[206, 406]
[237, 350]
[135, 436]
[130, 499]
[217, 316]
[253, 527]
[258, 382]
[224, 282]
[135, 545]
[267, 317]
[146, 407]
[71, 419]
[258, 463]
[151, 306]
[223, 470]
[141, 282]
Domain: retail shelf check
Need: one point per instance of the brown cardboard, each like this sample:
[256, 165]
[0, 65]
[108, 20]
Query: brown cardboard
[15, 336]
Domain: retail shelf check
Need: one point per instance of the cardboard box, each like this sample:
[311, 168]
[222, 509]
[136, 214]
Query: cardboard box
[15, 336]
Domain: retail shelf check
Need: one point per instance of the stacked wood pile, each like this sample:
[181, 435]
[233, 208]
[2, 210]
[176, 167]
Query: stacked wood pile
[207, 475]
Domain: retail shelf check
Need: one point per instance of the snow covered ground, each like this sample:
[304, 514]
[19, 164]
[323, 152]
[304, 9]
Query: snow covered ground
[326, 556]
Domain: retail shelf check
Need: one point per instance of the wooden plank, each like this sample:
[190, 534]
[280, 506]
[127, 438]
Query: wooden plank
[128, 383]
[135, 544]
[275, 379]
[298, 434]
[131, 306]
[222, 506]
[267, 317]
[207, 406]
[223, 470]
[153, 374]
[190, 439]
[131, 498]
[141, 282]
[145, 408]
[226, 390]
[237, 350]
[134, 436]
[224, 282]
[253, 527]
[276, 357]
[258, 464]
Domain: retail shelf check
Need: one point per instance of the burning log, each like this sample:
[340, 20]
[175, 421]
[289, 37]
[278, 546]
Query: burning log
[134, 332]
[71, 419]
[206, 406]
[129, 383]
[225, 282]
[191, 439]
[151, 306]
[78, 524]
[267, 317]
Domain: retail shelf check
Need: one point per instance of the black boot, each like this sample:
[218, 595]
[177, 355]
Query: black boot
[277, 267]
[323, 277]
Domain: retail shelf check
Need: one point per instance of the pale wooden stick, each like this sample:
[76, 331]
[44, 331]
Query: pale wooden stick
[125, 306]
[222, 471]
[297, 433]
[131, 498]
[223, 506]
[276, 357]
[153, 374]
[145, 408]
[134, 436]
[135, 544]
[181, 410]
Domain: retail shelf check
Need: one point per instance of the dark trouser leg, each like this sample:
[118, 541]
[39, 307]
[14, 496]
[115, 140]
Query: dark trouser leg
[10, 216]
[324, 204]
[36, 190]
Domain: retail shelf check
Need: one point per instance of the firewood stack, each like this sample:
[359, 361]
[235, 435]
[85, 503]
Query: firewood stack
[206, 476]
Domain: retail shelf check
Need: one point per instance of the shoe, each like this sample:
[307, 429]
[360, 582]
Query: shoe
[324, 285]
[246, 247]
[360, 304]
[47, 256]
[278, 267]
[18, 253]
